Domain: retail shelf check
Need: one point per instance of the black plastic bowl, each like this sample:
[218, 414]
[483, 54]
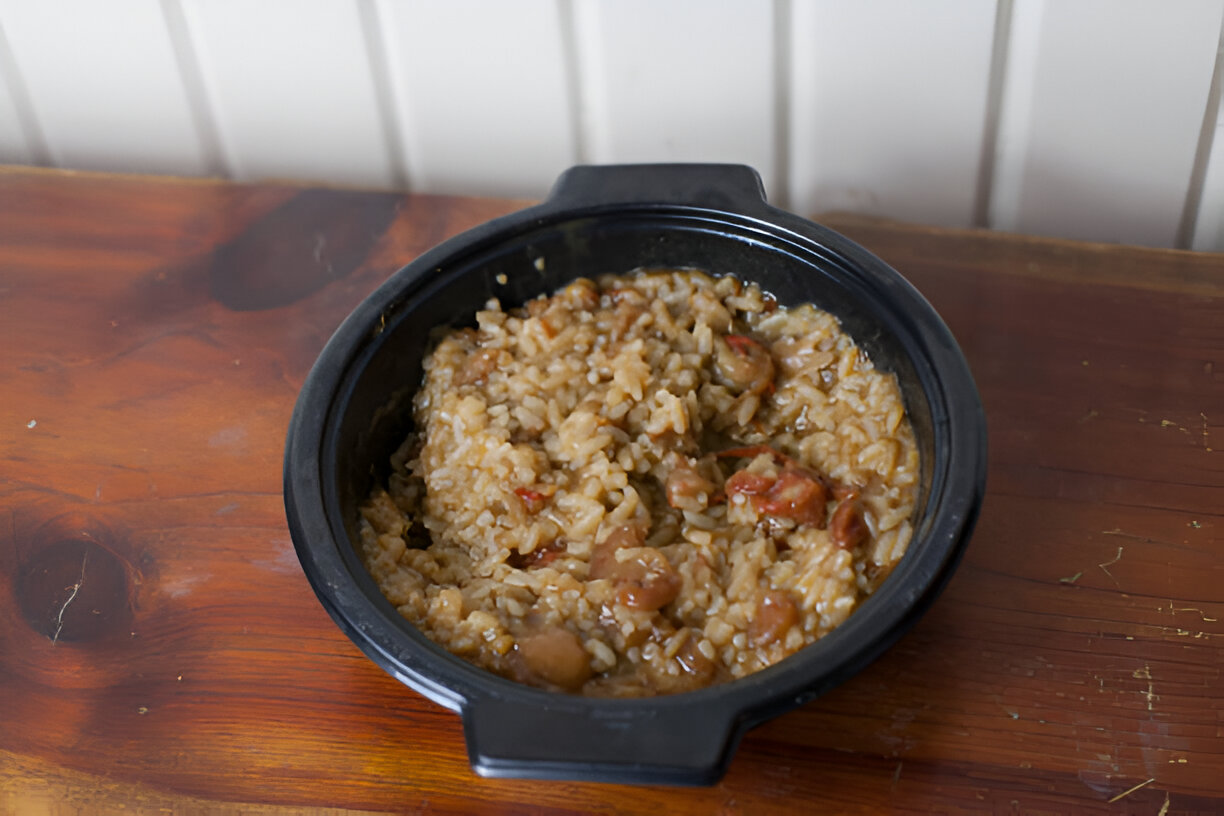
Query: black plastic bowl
[354, 410]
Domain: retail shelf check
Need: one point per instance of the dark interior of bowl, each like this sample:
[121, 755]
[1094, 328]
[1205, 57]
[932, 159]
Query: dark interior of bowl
[355, 410]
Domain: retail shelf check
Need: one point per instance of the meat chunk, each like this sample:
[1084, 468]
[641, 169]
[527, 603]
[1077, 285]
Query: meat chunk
[645, 579]
[535, 497]
[539, 557]
[743, 364]
[794, 493]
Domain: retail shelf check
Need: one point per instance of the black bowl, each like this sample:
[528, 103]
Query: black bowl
[353, 412]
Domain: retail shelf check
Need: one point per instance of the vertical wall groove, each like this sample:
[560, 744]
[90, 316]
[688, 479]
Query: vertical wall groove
[1013, 125]
[1202, 153]
[783, 66]
[574, 79]
[994, 107]
[380, 76]
[216, 162]
[27, 118]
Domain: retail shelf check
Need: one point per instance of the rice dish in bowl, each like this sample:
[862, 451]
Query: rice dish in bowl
[643, 484]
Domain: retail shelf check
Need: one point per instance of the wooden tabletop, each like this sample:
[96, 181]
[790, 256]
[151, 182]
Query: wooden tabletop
[161, 651]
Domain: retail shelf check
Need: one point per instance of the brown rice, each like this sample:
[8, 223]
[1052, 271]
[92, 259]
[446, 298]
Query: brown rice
[643, 485]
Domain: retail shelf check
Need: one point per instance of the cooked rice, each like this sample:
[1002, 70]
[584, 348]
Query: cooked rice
[561, 515]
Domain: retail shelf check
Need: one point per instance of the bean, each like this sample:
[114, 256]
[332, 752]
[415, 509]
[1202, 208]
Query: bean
[556, 656]
[685, 487]
[744, 364]
[646, 580]
[775, 614]
[848, 528]
[694, 663]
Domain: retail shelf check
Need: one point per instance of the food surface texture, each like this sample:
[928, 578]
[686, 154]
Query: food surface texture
[643, 484]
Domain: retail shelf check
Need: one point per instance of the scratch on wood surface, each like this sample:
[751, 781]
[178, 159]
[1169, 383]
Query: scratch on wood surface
[1105, 567]
[1127, 793]
[1146, 674]
[1175, 631]
[1168, 423]
[1092, 414]
[1204, 433]
[1117, 532]
[59, 619]
[1173, 610]
[1165, 807]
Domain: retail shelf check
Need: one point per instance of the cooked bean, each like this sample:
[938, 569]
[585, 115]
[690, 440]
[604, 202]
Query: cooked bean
[701, 668]
[686, 489]
[848, 528]
[649, 582]
[645, 580]
[776, 612]
[603, 557]
[556, 656]
[744, 364]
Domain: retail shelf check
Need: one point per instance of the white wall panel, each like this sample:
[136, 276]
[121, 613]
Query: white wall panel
[13, 146]
[104, 83]
[290, 86]
[481, 93]
[888, 101]
[1209, 226]
[1102, 109]
[685, 80]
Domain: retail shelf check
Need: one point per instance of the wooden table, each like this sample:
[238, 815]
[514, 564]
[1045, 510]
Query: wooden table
[161, 651]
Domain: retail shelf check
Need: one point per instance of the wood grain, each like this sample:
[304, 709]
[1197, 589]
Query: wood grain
[161, 650]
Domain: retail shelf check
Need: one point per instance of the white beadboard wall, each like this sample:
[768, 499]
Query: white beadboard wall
[888, 106]
[1088, 119]
[479, 94]
[685, 80]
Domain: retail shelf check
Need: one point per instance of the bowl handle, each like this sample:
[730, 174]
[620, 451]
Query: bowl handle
[660, 745]
[732, 187]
